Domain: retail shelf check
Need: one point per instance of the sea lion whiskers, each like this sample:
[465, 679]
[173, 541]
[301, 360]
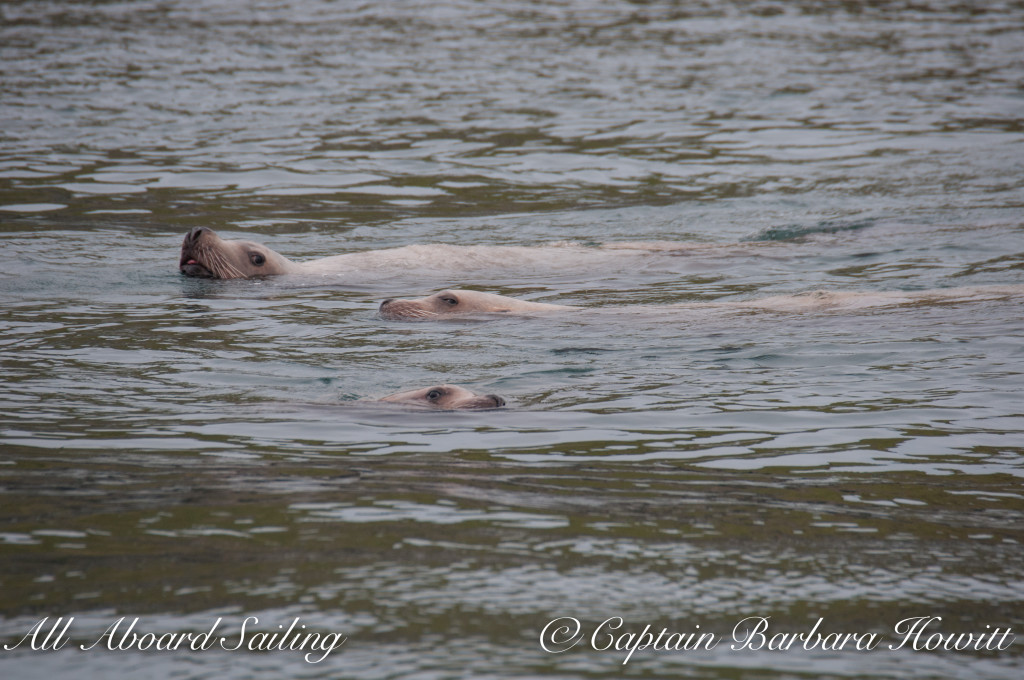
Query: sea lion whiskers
[218, 263]
[231, 269]
[208, 258]
[411, 314]
[422, 314]
[205, 257]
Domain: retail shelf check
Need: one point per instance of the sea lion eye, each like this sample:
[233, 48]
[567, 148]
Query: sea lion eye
[257, 259]
[434, 395]
[450, 300]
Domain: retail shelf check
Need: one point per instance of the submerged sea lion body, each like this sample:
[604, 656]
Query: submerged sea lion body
[446, 398]
[826, 300]
[449, 303]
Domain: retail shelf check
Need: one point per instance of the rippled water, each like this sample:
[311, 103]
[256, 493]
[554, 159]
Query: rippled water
[181, 450]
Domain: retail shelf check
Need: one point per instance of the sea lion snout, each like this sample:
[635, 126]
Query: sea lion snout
[498, 401]
[195, 234]
[191, 262]
[400, 309]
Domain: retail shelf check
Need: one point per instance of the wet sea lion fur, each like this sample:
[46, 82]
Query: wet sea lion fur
[445, 398]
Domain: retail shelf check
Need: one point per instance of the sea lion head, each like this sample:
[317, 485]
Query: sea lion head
[446, 398]
[449, 303]
[206, 255]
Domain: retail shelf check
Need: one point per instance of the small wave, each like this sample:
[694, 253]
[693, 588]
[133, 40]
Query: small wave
[794, 231]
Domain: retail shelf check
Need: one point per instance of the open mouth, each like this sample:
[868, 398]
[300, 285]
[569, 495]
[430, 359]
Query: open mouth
[190, 266]
[201, 257]
[191, 262]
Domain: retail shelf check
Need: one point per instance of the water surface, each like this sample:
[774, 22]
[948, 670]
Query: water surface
[181, 450]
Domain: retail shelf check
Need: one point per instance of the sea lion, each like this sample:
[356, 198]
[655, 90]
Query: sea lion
[450, 303]
[207, 255]
[446, 398]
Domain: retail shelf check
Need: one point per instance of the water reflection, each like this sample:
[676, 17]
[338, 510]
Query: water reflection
[365, 112]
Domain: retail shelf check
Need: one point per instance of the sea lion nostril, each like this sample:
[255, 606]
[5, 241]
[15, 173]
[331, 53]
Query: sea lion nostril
[498, 401]
[386, 302]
